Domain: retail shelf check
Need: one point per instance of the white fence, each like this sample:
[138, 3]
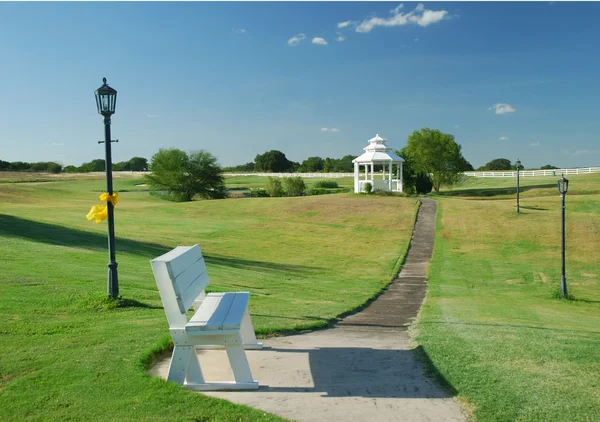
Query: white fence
[303, 175]
[533, 173]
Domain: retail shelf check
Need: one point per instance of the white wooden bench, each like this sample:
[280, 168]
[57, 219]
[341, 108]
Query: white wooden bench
[221, 320]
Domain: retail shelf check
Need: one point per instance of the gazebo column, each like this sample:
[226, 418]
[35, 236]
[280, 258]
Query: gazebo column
[390, 178]
[401, 182]
[356, 189]
[373, 173]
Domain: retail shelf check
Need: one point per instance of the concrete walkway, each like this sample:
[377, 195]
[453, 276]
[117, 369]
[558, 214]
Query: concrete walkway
[362, 369]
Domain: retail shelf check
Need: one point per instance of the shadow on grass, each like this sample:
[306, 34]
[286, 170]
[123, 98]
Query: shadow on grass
[53, 234]
[251, 265]
[488, 192]
[533, 208]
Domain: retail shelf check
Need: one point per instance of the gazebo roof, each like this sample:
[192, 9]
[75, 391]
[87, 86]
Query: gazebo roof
[377, 151]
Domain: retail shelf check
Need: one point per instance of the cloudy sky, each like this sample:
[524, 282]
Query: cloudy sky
[506, 79]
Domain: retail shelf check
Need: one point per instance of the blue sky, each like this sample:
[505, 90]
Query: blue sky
[506, 79]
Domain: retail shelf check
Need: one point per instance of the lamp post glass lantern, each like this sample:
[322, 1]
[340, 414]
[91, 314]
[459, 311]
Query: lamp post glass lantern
[563, 187]
[518, 164]
[106, 99]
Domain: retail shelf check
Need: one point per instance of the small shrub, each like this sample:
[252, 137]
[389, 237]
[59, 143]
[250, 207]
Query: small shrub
[327, 184]
[274, 187]
[423, 184]
[368, 188]
[259, 193]
[294, 186]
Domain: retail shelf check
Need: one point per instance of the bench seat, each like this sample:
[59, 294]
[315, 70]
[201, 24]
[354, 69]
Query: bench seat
[219, 311]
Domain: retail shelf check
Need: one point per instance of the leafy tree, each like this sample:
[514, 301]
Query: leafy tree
[294, 186]
[312, 164]
[548, 167]
[345, 164]
[184, 176]
[272, 161]
[274, 187]
[437, 155]
[499, 164]
[4, 165]
[137, 164]
[70, 169]
[19, 166]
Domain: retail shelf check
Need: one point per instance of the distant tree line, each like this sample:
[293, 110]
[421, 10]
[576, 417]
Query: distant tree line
[503, 164]
[42, 166]
[275, 161]
[133, 164]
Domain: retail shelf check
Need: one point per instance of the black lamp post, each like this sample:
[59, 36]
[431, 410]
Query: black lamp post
[518, 164]
[563, 187]
[106, 99]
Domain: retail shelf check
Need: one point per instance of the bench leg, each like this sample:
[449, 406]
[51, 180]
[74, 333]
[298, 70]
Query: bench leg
[247, 330]
[194, 373]
[239, 363]
[180, 361]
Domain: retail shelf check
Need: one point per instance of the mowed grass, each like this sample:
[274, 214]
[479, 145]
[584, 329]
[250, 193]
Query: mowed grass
[67, 353]
[492, 324]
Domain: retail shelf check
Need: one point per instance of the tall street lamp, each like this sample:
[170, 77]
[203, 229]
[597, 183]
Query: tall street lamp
[518, 164]
[106, 98]
[563, 187]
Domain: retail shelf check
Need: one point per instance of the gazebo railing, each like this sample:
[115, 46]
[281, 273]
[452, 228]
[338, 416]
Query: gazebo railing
[382, 185]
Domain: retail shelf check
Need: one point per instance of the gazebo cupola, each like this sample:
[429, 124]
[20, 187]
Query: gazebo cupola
[378, 154]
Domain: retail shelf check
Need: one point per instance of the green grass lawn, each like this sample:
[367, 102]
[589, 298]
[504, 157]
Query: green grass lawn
[67, 353]
[492, 324]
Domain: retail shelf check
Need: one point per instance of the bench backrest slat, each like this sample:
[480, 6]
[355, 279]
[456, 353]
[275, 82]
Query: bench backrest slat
[181, 277]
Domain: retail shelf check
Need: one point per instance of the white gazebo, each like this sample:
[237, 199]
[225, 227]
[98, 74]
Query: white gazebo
[378, 154]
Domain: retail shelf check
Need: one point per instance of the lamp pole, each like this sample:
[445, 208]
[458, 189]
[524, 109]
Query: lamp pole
[106, 98]
[518, 164]
[113, 278]
[563, 187]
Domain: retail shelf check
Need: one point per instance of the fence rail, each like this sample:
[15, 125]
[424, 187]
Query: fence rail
[533, 173]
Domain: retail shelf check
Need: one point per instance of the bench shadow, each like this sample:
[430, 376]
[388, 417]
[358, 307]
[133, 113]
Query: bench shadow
[370, 373]
[252, 265]
[487, 192]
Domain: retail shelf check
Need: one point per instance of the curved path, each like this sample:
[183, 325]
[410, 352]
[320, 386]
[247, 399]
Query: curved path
[362, 369]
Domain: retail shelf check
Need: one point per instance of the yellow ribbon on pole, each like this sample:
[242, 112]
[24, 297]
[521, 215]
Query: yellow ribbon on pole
[100, 212]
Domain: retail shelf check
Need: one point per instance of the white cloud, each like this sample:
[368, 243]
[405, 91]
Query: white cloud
[502, 108]
[416, 40]
[335, 129]
[396, 9]
[419, 16]
[344, 24]
[240, 31]
[324, 129]
[57, 144]
[319, 41]
[295, 40]
[503, 138]
[456, 126]
[340, 37]
[153, 116]
[534, 144]
[582, 152]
